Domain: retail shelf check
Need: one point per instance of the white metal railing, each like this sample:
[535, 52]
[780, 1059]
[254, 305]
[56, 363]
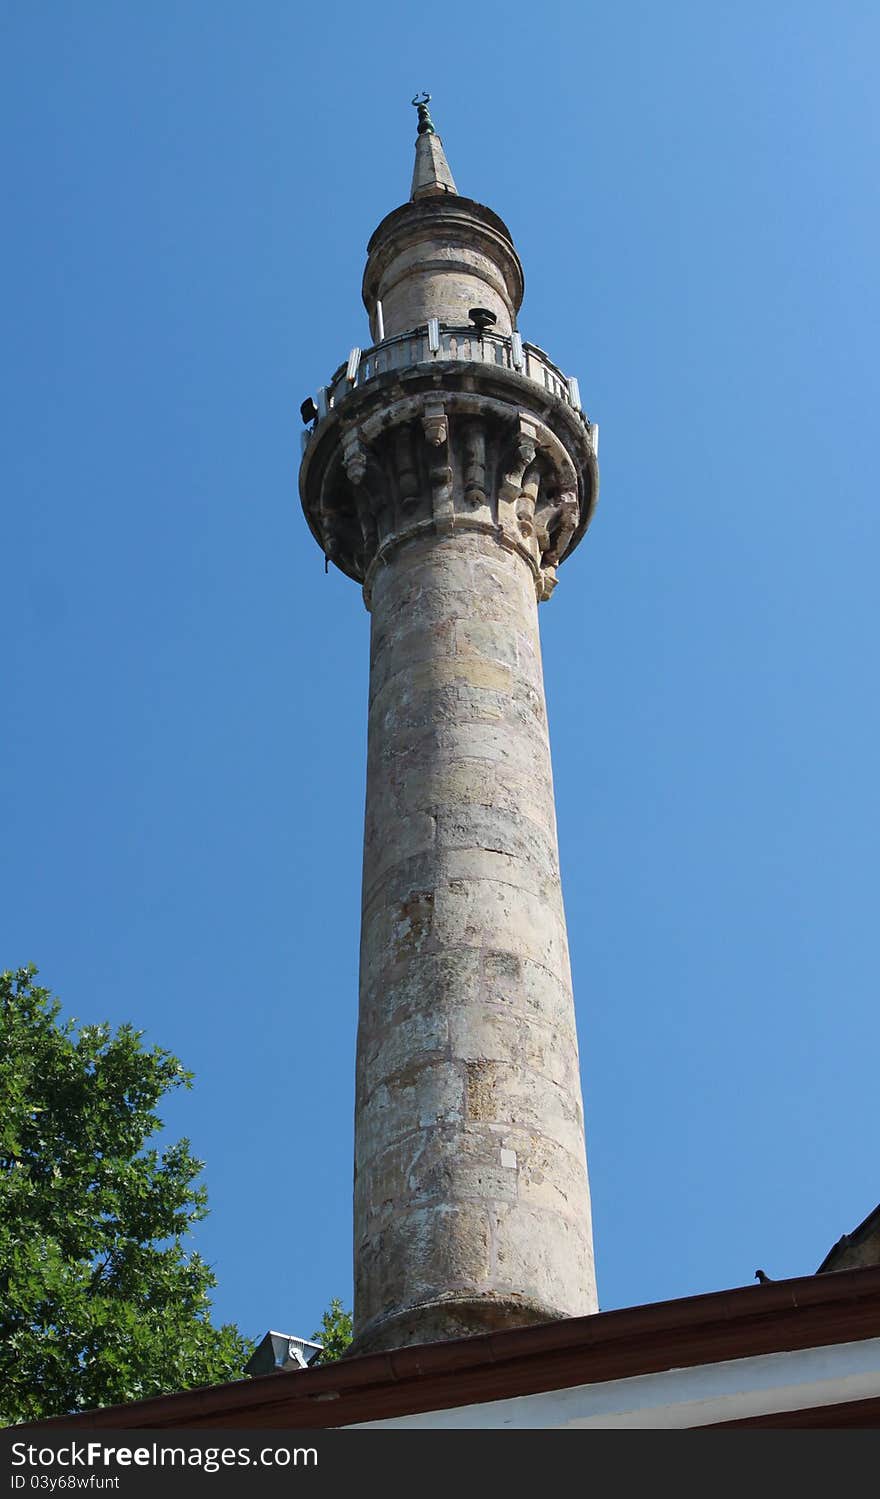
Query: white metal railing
[431, 343]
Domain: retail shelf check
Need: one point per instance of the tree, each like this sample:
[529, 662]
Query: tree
[100, 1303]
[335, 1332]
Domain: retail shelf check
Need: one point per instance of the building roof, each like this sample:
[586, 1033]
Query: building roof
[779, 1317]
[856, 1249]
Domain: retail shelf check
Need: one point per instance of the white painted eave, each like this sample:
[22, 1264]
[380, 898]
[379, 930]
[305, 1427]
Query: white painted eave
[675, 1399]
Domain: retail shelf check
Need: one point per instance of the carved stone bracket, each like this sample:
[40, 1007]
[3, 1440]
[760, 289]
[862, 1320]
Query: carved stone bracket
[474, 463]
[436, 430]
[357, 463]
[434, 424]
[355, 456]
[568, 518]
[405, 468]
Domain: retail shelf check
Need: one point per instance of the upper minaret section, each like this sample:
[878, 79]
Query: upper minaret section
[449, 421]
[441, 254]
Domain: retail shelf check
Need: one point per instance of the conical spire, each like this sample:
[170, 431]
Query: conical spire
[431, 174]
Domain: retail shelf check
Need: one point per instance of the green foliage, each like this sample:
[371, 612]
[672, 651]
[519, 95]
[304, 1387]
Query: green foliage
[335, 1332]
[99, 1301]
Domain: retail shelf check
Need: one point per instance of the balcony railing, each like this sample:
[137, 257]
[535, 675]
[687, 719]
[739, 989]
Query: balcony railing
[434, 343]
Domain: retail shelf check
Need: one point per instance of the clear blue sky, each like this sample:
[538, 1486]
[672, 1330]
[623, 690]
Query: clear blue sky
[189, 189]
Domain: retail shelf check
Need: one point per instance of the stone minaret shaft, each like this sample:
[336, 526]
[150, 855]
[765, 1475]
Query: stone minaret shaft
[449, 470]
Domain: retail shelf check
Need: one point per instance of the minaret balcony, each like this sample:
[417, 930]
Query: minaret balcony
[429, 345]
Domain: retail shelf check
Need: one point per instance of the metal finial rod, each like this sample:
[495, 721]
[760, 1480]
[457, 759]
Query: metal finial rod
[426, 124]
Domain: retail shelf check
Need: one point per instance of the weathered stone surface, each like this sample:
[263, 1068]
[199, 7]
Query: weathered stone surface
[402, 1264]
[506, 1094]
[452, 742]
[413, 1099]
[538, 1248]
[469, 1119]
[431, 174]
[511, 1036]
[438, 867]
[429, 981]
[500, 830]
[434, 1168]
[442, 257]
[465, 913]
[470, 1163]
[432, 784]
[436, 672]
[520, 984]
[416, 1038]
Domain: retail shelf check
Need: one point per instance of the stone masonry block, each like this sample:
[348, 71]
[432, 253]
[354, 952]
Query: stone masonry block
[427, 982]
[511, 1037]
[435, 1168]
[416, 1100]
[391, 1056]
[505, 1094]
[546, 1255]
[422, 1250]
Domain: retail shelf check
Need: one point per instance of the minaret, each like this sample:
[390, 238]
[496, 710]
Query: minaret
[449, 469]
